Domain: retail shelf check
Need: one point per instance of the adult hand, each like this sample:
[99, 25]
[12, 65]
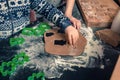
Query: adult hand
[72, 35]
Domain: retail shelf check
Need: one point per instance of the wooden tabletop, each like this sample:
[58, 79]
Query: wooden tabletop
[98, 13]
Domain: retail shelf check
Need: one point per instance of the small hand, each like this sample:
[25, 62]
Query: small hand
[75, 21]
[72, 35]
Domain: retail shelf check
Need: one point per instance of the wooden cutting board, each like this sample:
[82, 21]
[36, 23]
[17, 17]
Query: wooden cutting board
[108, 36]
[98, 13]
[55, 43]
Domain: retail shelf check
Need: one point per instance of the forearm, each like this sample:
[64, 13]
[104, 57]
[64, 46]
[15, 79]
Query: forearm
[51, 13]
[69, 7]
[116, 23]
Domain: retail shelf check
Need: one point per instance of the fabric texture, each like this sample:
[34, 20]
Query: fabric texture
[56, 3]
[14, 15]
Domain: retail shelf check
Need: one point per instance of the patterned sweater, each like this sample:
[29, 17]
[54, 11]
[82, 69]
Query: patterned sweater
[14, 15]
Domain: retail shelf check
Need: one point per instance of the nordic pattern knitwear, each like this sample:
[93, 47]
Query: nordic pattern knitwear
[14, 15]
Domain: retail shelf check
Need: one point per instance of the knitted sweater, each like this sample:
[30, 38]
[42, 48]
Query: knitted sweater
[14, 15]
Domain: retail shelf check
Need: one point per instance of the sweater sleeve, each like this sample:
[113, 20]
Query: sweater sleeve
[51, 13]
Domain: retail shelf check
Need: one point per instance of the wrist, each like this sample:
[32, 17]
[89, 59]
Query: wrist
[68, 28]
[68, 15]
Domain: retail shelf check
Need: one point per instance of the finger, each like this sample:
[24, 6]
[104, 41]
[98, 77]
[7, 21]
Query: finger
[78, 25]
[69, 39]
[74, 24]
[73, 40]
[77, 37]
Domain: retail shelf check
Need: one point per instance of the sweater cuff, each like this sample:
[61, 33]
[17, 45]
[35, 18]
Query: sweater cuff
[64, 23]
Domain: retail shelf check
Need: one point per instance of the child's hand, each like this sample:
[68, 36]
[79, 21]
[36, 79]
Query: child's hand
[72, 35]
[75, 21]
